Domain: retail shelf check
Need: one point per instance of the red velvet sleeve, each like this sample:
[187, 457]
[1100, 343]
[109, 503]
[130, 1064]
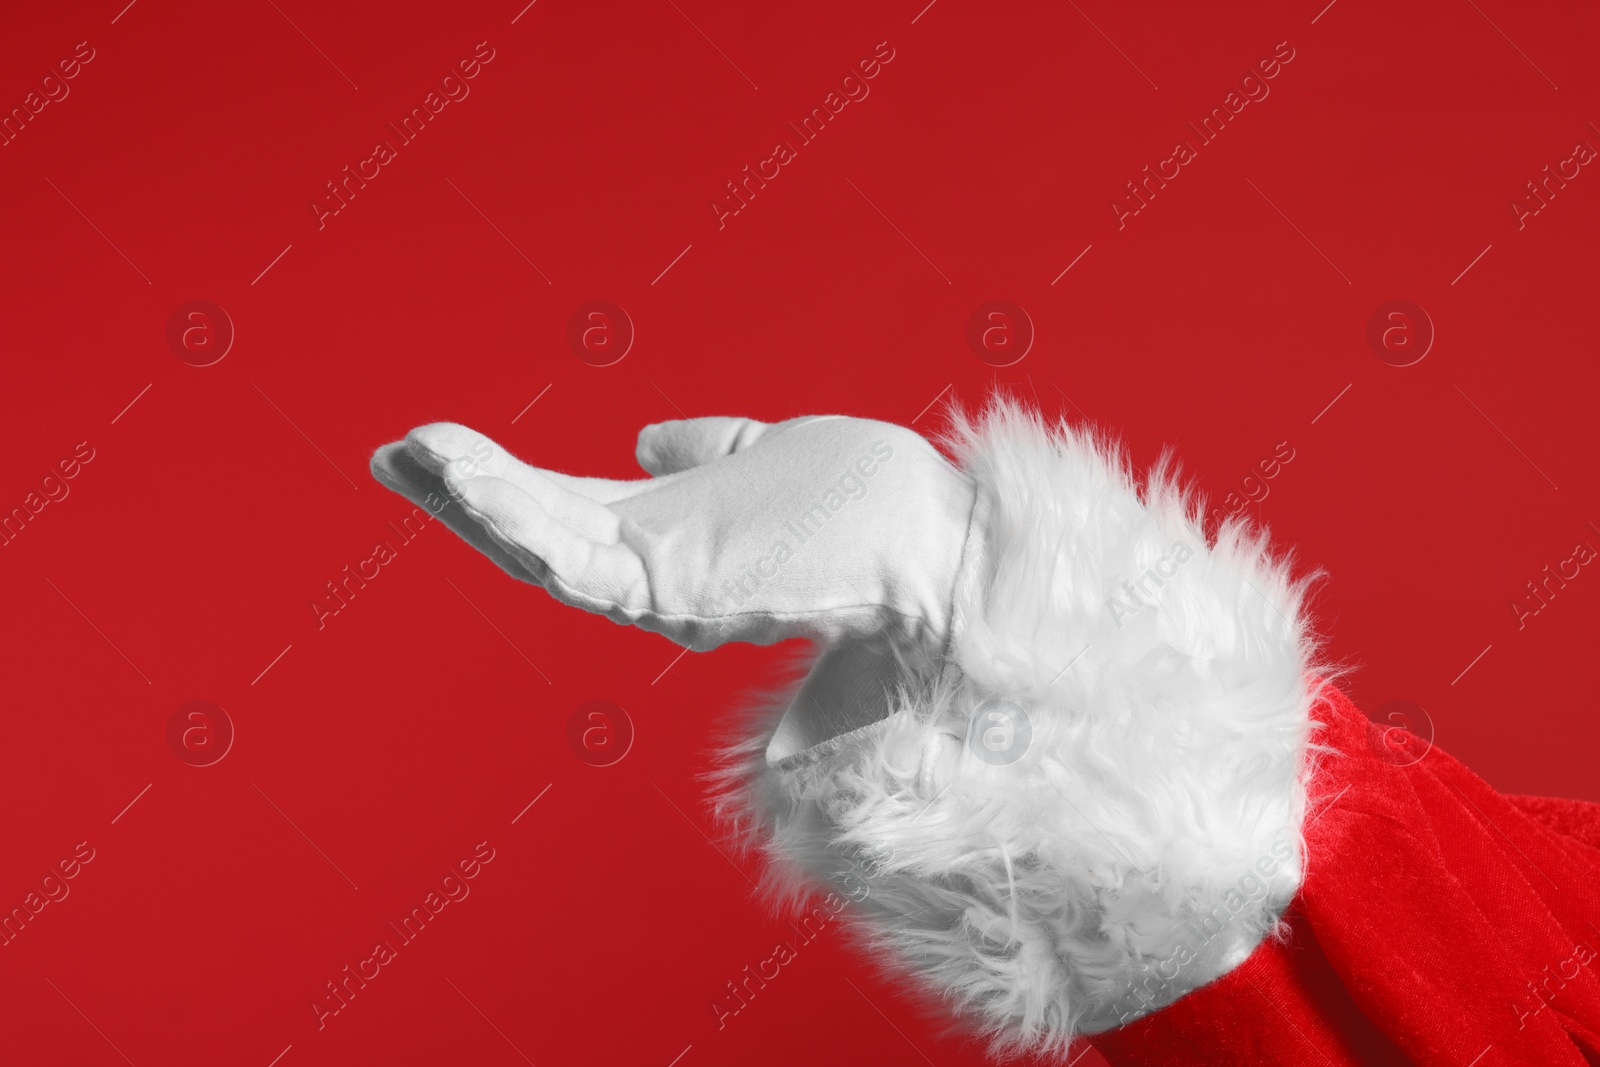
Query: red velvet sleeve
[1440, 922]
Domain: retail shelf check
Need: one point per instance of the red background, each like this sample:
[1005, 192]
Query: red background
[1221, 320]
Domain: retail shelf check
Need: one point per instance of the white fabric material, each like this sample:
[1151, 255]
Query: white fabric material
[828, 527]
[1146, 838]
[1141, 838]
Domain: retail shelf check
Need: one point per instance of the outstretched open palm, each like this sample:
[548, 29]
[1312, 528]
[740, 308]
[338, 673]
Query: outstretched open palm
[821, 527]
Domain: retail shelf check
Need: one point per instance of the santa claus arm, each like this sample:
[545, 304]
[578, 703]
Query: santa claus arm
[1054, 740]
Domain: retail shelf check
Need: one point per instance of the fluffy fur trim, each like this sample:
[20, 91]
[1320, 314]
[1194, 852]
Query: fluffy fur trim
[1091, 804]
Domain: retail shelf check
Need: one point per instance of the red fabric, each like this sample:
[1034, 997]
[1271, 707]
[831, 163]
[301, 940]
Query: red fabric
[1440, 922]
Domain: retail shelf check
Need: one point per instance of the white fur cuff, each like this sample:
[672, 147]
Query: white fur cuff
[1093, 804]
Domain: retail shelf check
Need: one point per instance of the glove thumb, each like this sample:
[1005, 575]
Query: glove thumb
[669, 447]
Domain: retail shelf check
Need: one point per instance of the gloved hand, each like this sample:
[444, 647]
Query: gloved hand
[824, 527]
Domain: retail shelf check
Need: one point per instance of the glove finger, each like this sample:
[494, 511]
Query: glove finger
[599, 490]
[584, 516]
[601, 576]
[439, 444]
[669, 447]
[395, 469]
[471, 455]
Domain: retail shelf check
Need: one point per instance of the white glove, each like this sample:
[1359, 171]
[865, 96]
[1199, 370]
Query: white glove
[824, 527]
